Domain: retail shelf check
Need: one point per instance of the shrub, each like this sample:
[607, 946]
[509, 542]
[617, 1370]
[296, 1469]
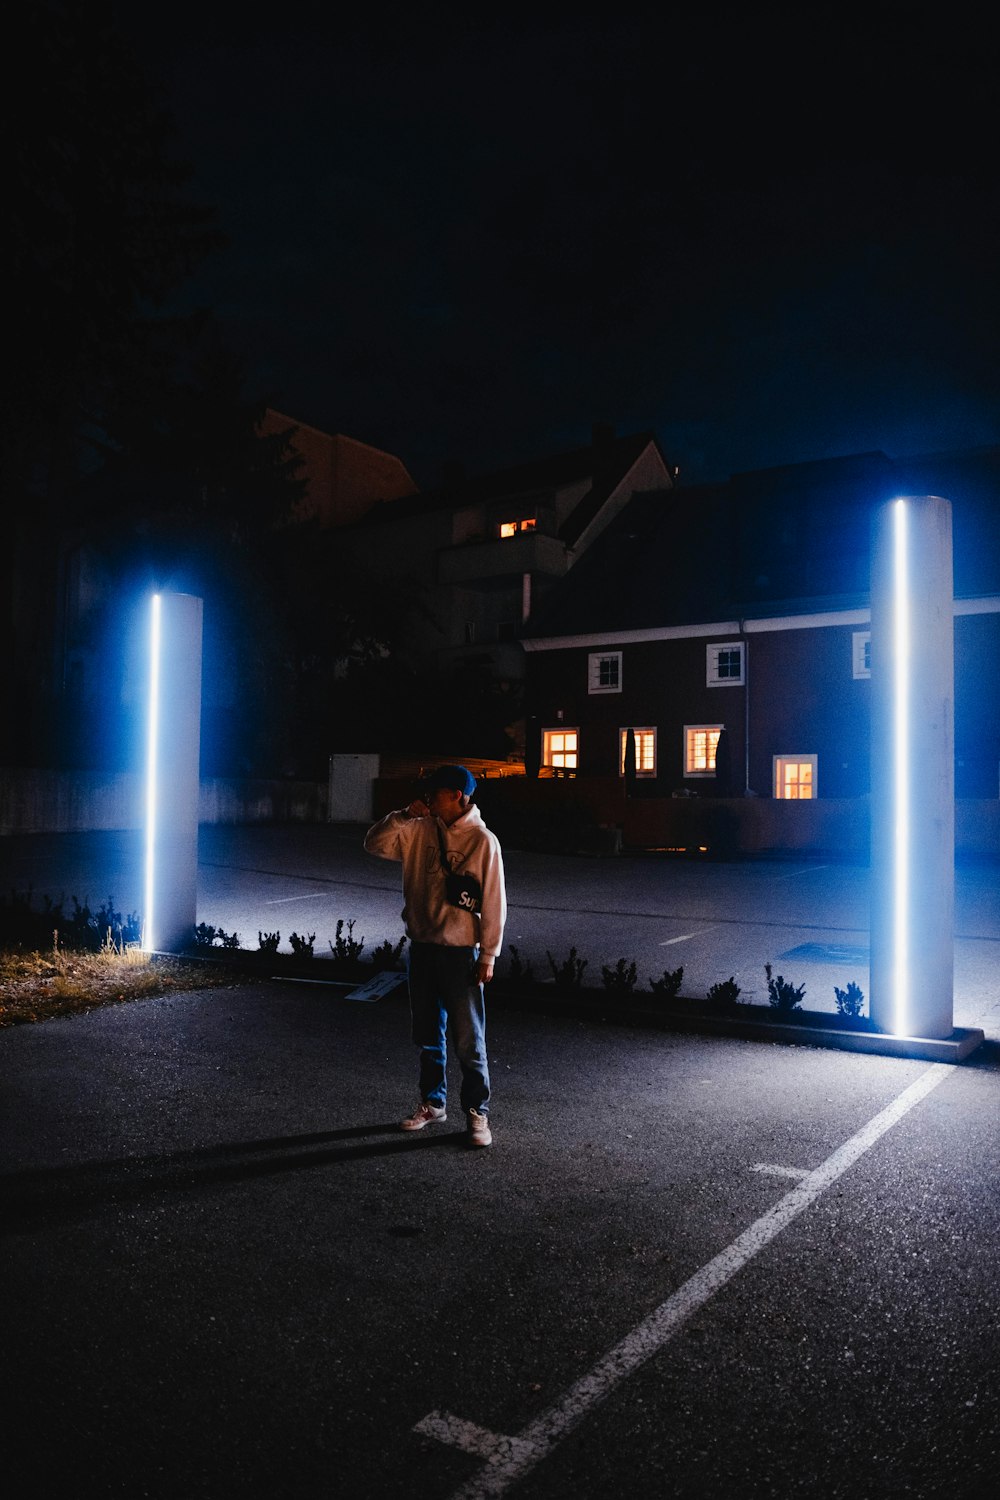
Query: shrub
[302, 945]
[83, 930]
[86, 929]
[782, 995]
[206, 936]
[569, 974]
[518, 972]
[621, 979]
[344, 949]
[724, 996]
[268, 942]
[385, 956]
[850, 1002]
[669, 983]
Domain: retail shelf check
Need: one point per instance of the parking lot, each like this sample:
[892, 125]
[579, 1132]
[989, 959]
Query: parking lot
[808, 917]
[689, 1266]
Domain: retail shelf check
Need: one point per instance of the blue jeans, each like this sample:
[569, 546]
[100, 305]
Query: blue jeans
[444, 990]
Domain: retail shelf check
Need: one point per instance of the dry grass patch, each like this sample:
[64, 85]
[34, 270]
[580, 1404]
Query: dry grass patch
[36, 986]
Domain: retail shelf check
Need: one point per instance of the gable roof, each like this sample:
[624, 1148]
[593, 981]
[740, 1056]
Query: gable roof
[343, 476]
[604, 462]
[766, 542]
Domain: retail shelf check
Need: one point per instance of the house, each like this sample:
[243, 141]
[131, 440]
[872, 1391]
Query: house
[727, 627]
[342, 477]
[486, 550]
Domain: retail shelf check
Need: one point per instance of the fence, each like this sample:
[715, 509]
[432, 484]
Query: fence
[33, 801]
[591, 815]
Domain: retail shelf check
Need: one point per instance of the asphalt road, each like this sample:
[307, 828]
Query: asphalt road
[691, 1267]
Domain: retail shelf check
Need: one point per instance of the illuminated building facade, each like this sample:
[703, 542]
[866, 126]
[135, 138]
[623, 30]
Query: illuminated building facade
[730, 633]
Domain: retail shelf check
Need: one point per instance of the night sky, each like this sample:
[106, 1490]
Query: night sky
[768, 234]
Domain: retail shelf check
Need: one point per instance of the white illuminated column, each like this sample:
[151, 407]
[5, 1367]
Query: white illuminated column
[912, 769]
[172, 772]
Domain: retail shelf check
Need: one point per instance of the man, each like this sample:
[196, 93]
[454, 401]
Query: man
[453, 948]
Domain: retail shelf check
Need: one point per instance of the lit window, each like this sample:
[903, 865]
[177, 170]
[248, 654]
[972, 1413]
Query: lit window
[700, 743]
[560, 749]
[795, 777]
[861, 653]
[511, 528]
[604, 672]
[724, 664]
[645, 751]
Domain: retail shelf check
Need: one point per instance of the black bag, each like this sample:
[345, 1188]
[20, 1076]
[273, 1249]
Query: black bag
[463, 891]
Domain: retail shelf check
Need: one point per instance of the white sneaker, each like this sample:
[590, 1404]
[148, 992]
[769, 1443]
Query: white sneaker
[479, 1129]
[424, 1114]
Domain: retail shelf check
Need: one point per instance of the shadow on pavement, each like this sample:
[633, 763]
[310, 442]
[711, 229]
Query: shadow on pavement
[35, 1197]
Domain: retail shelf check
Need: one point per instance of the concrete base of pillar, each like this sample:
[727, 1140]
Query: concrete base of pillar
[953, 1049]
[962, 1043]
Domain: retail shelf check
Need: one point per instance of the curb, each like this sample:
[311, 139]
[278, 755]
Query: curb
[957, 1047]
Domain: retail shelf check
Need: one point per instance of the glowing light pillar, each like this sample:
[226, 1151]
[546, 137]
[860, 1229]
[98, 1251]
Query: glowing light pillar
[912, 769]
[172, 772]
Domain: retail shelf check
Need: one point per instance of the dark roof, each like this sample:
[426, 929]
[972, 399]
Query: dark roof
[605, 461]
[772, 541]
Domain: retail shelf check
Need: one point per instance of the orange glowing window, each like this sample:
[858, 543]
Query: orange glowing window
[561, 748]
[700, 743]
[795, 777]
[645, 751]
[511, 528]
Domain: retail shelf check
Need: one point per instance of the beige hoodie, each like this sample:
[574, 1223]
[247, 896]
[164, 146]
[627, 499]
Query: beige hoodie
[471, 849]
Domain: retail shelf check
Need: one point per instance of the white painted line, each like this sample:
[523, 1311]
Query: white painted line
[776, 1171]
[294, 979]
[686, 936]
[287, 900]
[512, 1459]
[470, 1438]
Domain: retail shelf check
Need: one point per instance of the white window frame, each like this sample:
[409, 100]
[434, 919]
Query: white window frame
[776, 778]
[690, 729]
[712, 653]
[636, 729]
[548, 753]
[861, 648]
[594, 660]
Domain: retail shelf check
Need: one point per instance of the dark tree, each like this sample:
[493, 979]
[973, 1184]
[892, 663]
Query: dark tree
[99, 234]
[130, 451]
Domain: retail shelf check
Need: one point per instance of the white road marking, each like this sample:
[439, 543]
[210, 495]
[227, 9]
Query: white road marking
[685, 936]
[776, 1171]
[468, 1437]
[509, 1459]
[294, 979]
[287, 900]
